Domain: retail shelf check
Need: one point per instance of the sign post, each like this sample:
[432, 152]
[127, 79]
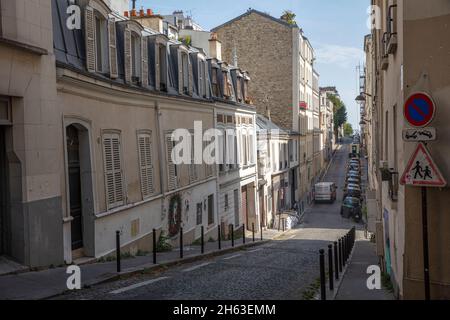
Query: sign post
[421, 171]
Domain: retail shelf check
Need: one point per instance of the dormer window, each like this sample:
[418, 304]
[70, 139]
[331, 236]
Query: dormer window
[162, 67]
[214, 81]
[135, 57]
[100, 37]
[239, 88]
[202, 78]
[185, 73]
[227, 85]
[135, 53]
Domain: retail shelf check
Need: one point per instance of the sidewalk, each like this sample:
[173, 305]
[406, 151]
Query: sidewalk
[52, 282]
[353, 285]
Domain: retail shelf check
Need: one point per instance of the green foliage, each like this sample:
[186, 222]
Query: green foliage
[187, 40]
[312, 290]
[339, 112]
[348, 129]
[386, 282]
[289, 17]
[163, 244]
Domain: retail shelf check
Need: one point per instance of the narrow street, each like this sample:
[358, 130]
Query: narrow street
[281, 269]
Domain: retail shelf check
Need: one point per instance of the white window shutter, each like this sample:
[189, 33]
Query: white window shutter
[180, 73]
[200, 77]
[207, 86]
[144, 61]
[146, 164]
[90, 38]
[191, 76]
[112, 49]
[127, 54]
[158, 66]
[171, 169]
[193, 176]
[113, 171]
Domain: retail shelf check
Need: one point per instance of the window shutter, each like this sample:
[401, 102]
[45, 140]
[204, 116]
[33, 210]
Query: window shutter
[191, 77]
[171, 169]
[180, 73]
[158, 66]
[90, 38]
[112, 49]
[113, 171]
[146, 164]
[127, 53]
[193, 176]
[200, 78]
[206, 79]
[144, 61]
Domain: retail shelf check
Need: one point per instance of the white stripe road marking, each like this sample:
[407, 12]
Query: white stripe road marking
[232, 257]
[256, 250]
[196, 267]
[137, 285]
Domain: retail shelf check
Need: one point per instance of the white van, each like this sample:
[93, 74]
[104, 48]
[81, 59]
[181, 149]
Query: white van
[325, 192]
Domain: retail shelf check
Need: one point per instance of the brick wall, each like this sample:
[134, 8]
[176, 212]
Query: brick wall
[264, 48]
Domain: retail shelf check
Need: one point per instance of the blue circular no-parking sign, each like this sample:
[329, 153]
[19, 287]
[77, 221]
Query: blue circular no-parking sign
[419, 109]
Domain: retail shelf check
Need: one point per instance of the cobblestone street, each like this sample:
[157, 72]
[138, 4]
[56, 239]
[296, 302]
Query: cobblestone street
[281, 269]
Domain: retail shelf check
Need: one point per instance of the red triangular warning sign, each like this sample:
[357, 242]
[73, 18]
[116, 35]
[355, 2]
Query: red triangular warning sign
[421, 170]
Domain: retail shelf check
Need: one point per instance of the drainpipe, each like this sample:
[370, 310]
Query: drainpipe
[160, 136]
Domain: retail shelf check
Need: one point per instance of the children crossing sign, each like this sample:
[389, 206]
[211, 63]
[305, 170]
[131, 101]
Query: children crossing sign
[421, 170]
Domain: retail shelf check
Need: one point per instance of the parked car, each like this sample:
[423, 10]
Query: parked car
[325, 192]
[351, 191]
[351, 207]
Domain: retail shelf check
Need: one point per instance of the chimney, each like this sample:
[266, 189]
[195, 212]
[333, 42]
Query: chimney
[150, 20]
[215, 47]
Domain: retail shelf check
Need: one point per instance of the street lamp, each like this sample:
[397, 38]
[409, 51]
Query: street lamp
[361, 97]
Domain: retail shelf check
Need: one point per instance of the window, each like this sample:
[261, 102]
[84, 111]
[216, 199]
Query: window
[135, 57]
[239, 88]
[184, 73]
[210, 209]
[113, 170]
[214, 81]
[146, 163]
[226, 205]
[193, 173]
[162, 67]
[202, 78]
[227, 86]
[5, 110]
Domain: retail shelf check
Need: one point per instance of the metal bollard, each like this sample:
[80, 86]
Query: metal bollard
[181, 243]
[203, 239]
[336, 261]
[253, 231]
[219, 238]
[232, 235]
[330, 266]
[261, 232]
[284, 225]
[118, 251]
[323, 295]
[154, 246]
[243, 233]
[341, 256]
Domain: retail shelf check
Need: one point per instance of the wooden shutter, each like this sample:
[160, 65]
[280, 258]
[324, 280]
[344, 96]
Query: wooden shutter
[146, 164]
[206, 79]
[158, 66]
[113, 170]
[191, 76]
[112, 49]
[180, 72]
[193, 176]
[144, 61]
[200, 78]
[127, 55]
[171, 168]
[90, 38]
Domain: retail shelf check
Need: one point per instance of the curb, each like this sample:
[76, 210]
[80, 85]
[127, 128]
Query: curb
[108, 277]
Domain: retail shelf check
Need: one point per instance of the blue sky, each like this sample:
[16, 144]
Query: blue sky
[336, 29]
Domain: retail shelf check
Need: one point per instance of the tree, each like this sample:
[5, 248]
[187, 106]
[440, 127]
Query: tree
[289, 17]
[348, 129]
[339, 113]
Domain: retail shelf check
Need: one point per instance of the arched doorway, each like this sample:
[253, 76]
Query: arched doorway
[80, 240]
[74, 171]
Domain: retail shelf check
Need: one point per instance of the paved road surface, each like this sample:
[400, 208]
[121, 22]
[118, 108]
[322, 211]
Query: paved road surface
[279, 270]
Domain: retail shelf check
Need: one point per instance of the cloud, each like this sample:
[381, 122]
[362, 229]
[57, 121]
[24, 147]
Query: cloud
[341, 56]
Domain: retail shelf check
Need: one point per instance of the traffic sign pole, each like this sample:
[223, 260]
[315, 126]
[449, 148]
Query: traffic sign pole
[426, 262]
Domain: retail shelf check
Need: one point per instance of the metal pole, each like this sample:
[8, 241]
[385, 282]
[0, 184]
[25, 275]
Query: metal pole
[181, 243]
[203, 239]
[243, 233]
[154, 246]
[426, 262]
[336, 261]
[323, 295]
[261, 232]
[232, 235]
[219, 236]
[330, 266]
[118, 251]
[253, 231]
[340, 254]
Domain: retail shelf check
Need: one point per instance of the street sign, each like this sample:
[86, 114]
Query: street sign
[421, 170]
[417, 135]
[419, 110]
